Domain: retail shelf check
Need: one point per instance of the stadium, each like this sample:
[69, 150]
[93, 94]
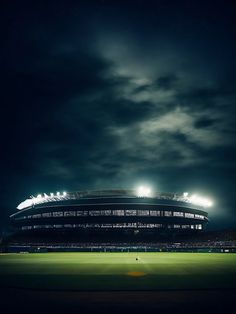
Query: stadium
[113, 211]
[122, 249]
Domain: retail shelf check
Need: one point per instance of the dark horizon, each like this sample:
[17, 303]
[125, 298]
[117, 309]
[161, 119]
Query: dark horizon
[104, 94]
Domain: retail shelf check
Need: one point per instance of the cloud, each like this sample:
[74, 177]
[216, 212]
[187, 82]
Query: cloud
[91, 101]
[120, 125]
[166, 82]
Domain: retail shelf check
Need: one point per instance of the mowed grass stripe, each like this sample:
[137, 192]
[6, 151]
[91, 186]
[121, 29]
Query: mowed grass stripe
[104, 271]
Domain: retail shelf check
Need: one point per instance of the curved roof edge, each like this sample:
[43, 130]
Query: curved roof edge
[47, 198]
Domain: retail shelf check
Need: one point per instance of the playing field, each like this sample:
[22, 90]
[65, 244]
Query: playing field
[118, 271]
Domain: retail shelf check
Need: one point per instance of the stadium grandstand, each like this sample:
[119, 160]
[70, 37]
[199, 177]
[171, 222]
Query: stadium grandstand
[113, 220]
[111, 211]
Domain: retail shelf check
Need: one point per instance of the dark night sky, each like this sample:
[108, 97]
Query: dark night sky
[108, 94]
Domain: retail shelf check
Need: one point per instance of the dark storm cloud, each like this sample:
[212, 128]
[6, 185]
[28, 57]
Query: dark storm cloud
[204, 122]
[99, 95]
[166, 82]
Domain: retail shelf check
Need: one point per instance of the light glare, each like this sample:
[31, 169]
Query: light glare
[143, 191]
[201, 201]
[26, 203]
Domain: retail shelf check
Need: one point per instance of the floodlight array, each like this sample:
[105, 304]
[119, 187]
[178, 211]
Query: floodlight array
[142, 191]
[39, 199]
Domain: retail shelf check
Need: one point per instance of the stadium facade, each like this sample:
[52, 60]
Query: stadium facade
[111, 211]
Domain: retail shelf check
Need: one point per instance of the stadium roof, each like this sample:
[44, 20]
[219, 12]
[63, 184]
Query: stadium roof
[58, 196]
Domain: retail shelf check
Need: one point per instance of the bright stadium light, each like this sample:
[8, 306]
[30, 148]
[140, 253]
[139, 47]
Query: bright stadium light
[201, 201]
[143, 191]
[25, 204]
[64, 193]
[51, 194]
[209, 203]
[39, 196]
[185, 194]
[58, 193]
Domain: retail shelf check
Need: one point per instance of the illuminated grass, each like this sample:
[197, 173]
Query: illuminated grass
[106, 271]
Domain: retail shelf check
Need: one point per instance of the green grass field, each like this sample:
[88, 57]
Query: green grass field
[118, 271]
